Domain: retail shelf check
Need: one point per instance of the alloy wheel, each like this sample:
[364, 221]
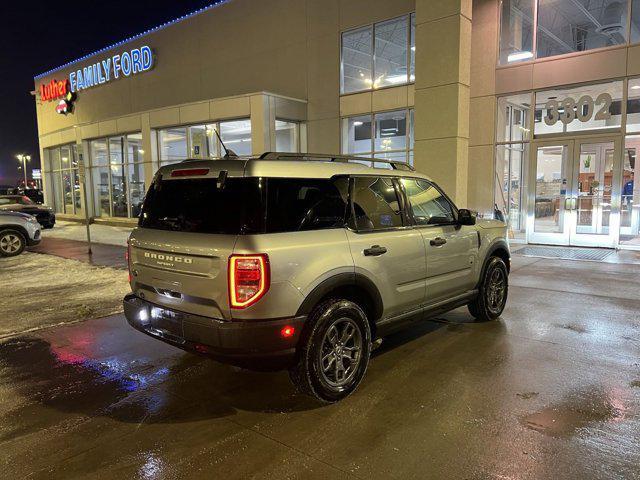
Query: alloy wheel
[496, 289]
[340, 352]
[10, 243]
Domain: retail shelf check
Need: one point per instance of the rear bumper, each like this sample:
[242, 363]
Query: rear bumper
[257, 345]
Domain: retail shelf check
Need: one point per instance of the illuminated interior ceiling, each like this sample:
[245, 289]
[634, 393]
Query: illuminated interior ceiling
[391, 49]
[566, 26]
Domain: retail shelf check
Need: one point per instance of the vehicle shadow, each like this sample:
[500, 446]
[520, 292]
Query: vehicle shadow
[185, 388]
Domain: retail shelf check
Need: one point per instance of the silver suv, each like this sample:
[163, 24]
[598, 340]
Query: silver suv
[17, 231]
[303, 261]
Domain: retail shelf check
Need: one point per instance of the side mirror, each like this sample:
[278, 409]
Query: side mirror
[466, 217]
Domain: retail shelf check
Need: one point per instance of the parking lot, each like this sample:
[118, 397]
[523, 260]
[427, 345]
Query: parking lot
[551, 390]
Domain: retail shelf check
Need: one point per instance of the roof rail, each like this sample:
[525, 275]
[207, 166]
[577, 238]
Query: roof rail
[334, 158]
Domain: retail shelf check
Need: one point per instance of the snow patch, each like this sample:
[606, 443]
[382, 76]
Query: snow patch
[40, 290]
[99, 233]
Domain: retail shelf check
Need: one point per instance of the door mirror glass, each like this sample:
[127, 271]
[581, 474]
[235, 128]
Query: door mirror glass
[466, 217]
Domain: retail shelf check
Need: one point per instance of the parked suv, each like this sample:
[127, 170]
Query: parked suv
[17, 231]
[301, 262]
[22, 203]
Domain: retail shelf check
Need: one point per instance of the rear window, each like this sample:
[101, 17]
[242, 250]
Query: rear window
[200, 206]
[245, 205]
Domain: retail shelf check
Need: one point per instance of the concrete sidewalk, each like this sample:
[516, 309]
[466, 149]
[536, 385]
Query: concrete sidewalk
[102, 254]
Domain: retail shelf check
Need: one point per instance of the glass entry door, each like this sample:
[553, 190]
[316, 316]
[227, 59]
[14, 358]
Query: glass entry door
[576, 197]
[595, 201]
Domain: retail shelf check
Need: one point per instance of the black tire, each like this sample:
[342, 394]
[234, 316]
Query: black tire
[332, 319]
[493, 291]
[12, 243]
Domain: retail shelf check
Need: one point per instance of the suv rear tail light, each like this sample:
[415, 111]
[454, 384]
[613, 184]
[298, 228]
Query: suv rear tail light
[249, 278]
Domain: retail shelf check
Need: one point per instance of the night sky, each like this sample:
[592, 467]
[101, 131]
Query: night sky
[38, 36]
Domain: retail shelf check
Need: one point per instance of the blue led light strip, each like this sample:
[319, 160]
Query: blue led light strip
[151, 30]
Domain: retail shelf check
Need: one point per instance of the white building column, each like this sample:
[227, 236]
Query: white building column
[443, 60]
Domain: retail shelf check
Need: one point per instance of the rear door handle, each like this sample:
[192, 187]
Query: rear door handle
[375, 251]
[437, 242]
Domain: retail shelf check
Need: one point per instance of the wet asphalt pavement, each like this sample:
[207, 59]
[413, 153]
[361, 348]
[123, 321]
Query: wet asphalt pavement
[551, 390]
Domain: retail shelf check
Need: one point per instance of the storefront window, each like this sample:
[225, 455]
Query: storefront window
[100, 178]
[199, 146]
[590, 107]
[357, 60]
[630, 200]
[513, 118]
[390, 60]
[412, 50]
[580, 25]
[633, 106]
[563, 27]
[635, 21]
[172, 144]
[236, 135]
[119, 188]
[62, 184]
[390, 131]
[381, 135]
[509, 193]
[356, 135]
[200, 141]
[379, 55]
[516, 31]
[286, 136]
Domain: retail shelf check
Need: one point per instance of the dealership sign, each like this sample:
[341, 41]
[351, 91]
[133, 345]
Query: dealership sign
[124, 64]
[54, 90]
[128, 63]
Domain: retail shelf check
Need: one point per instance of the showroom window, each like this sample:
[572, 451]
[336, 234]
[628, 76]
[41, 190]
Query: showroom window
[630, 195]
[117, 175]
[383, 135]
[563, 27]
[61, 170]
[379, 55]
[516, 27]
[589, 107]
[513, 132]
[287, 136]
[200, 141]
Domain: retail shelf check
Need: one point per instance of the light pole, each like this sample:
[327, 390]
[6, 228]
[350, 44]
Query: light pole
[24, 159]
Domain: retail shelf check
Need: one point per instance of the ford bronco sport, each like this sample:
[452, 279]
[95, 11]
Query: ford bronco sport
[301, 261]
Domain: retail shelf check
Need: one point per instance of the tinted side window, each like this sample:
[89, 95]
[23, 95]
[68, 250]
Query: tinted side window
[376, 204]
[298, 204]
[429, 206]
[199, 205]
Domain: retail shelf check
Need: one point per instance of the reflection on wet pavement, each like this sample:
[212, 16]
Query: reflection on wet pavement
[551, 390]
[576, 413]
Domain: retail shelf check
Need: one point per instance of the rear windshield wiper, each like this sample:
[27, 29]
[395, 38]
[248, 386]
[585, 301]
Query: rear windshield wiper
[173, 222]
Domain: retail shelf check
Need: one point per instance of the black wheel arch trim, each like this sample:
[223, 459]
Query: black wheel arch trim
[17, 228]
[342, 280]
[494, 247]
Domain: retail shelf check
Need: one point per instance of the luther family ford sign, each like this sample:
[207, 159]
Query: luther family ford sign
[124, 64]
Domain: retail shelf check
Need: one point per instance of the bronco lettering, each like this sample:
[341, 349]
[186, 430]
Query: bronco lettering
[167, 258]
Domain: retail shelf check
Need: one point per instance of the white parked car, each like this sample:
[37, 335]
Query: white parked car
[17, 231]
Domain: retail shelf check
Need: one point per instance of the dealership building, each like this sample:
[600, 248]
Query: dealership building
[530, 106]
